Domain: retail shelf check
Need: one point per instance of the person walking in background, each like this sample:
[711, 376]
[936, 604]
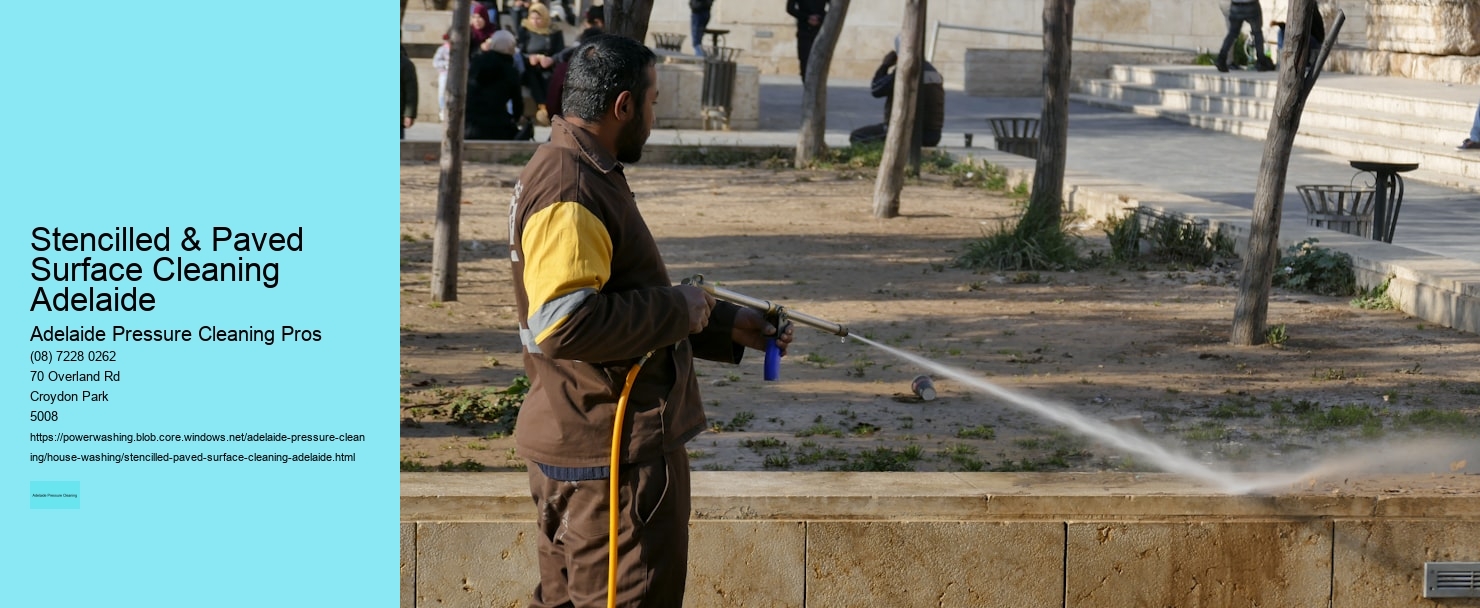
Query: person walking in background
[595, 306]
[567, 12]
[698, 22]
[1239, 13]
[1473, 142]
[809, 15]
[408, 92]
[930, 103]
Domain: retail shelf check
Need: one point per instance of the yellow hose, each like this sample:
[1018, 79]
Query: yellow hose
[613, 504]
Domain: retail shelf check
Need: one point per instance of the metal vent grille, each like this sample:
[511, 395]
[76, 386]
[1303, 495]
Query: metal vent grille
[1451, 579]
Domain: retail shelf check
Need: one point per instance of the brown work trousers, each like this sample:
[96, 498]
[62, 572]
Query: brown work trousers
[653, 533]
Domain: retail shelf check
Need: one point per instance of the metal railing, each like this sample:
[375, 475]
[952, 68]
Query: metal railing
[937, 26]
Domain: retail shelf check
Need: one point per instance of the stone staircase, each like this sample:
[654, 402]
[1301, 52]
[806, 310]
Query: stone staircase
[1346, 116]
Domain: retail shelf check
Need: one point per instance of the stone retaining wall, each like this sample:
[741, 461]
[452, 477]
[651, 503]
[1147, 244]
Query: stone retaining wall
[1019, 73]
[1439, 68]
[1430, 27]
[981, 540]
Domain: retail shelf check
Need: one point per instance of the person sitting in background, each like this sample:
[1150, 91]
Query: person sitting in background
[494, 99]
[930, 102]
[482, 28]
[408, 92]
[596, 17]
[539, 43]
[1473, 143]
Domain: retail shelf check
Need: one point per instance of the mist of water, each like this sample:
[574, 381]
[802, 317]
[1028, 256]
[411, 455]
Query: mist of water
[1153, 453]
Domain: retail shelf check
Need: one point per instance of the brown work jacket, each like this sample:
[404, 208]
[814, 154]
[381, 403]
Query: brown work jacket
[593, 296]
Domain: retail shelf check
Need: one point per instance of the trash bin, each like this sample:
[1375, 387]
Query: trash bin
[719, 85]
[668, 41]
[1338, 207]
[1016, 135]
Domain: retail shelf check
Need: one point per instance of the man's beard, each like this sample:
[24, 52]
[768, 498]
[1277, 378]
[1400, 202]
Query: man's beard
[631, 138]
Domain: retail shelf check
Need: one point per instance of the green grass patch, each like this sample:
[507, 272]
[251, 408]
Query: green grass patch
[469, 466]
[1207, 430]
[809, 455]
[885, 459]
[740, 422]
[1432, 419]
[980, 431]
[777, 461]
[1235, 408]
[1340, 417]
[819, 429]
[766, 443]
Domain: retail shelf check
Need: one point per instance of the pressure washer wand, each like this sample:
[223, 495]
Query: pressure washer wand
[777, 314]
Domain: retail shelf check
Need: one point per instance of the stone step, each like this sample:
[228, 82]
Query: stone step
[1439, 164]
[1426, 100]
[1376, 125]
[1343, 116]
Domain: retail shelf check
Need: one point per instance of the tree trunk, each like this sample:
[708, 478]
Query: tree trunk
[628, 18]
[902, 113]
[1252, 309]
[1046, 203]
[449, 188]
[811, 142]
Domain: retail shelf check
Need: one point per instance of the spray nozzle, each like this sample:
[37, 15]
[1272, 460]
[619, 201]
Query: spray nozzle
[774, 312]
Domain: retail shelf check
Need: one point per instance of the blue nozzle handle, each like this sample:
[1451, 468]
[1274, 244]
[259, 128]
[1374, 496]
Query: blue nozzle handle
[773, 360]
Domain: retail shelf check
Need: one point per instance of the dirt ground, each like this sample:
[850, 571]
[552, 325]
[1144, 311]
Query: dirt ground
[1143, 349]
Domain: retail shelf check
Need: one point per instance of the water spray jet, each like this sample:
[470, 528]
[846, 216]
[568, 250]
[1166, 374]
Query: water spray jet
[1108, 432]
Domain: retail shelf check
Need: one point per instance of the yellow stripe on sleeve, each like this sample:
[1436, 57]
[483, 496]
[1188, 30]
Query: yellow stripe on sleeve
[567, 258]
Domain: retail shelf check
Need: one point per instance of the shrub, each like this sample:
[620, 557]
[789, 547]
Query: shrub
[1306, 267]
[1009, 249]
[1124, 233]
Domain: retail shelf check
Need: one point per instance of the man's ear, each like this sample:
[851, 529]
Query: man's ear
[622, 109]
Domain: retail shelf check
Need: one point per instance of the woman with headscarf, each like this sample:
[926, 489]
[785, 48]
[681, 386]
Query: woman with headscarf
[539, 43]
[494, 100]
[482, 28]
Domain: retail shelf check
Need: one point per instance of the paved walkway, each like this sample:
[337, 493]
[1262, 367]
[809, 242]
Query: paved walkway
[1157, 153]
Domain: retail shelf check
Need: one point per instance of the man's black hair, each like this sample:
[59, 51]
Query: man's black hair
[602, 68]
